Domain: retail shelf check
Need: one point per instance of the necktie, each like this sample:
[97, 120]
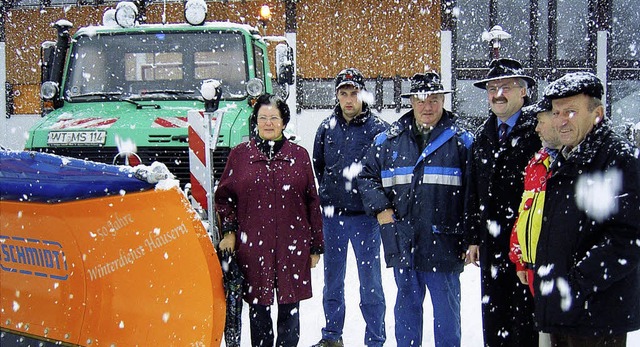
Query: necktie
[502, 133]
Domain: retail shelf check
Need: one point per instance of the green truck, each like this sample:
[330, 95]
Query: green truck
[120, 95]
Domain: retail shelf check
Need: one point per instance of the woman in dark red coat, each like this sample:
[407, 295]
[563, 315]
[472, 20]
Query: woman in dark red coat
[270, 214]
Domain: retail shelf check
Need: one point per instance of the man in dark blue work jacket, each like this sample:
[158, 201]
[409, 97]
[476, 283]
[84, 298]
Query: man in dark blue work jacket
[415, 181]
[340, 145]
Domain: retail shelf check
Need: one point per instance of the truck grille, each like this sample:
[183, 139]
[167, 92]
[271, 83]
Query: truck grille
[175, 158]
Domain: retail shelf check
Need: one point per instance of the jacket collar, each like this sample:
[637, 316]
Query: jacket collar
[406, 123]
[285, 153]
[588, 148]
[357, 120]
[526, 121]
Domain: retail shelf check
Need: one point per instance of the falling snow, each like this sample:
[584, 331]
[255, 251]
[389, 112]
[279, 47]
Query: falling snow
[596, 195]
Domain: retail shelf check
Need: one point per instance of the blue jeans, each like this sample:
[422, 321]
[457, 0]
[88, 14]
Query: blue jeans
[444, 289]
[364, 234]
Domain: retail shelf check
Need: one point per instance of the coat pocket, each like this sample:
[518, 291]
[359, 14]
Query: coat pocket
[396, 240]
[389, 235]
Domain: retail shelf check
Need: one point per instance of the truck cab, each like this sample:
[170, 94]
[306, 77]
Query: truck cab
[120, 95]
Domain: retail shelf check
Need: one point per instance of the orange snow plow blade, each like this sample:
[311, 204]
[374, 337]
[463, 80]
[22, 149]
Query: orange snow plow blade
[137, 269]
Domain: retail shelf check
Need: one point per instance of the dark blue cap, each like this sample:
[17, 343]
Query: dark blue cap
[575, 83]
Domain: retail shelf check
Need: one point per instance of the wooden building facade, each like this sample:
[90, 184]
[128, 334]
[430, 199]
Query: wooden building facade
[388, 40]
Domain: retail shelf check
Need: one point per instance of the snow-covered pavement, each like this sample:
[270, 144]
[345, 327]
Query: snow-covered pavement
[312, 315]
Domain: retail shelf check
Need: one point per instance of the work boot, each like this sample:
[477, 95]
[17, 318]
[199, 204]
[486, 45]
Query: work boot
[329, 343]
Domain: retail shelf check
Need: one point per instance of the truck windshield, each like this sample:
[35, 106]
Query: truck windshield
[161, 65]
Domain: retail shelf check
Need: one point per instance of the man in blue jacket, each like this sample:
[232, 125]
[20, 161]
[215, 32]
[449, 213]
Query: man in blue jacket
[587, 268]
[415, 181]
[340, 145]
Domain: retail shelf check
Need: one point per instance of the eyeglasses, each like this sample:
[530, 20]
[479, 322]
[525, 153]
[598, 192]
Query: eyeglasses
[274, 120]
[505, 88]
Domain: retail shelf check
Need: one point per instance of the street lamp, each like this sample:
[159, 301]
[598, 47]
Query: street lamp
[495, 37]
[265, 16]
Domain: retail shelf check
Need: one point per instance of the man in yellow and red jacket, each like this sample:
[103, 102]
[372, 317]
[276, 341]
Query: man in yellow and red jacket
[524, 236]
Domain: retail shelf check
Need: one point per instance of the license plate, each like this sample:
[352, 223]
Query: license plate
[76, 138]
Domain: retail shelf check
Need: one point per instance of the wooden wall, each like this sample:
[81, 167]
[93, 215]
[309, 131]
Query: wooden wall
[380, 37]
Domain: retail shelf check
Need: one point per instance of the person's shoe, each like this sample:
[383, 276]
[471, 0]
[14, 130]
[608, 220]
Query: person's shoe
[329, 343]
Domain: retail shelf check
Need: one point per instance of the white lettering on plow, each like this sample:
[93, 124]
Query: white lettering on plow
[155, 241]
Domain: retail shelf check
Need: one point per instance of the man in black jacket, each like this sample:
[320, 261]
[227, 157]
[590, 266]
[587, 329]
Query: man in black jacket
[587, 284]
[502, 148]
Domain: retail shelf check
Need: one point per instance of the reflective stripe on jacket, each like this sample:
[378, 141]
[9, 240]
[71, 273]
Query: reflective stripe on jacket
[426, 189]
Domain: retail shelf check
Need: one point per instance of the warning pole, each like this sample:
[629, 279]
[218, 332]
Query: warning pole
[204, 129]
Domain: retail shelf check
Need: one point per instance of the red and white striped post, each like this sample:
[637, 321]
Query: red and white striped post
[204, 128]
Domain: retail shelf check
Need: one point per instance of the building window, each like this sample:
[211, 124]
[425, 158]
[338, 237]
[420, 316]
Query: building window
[317, 93]
[63, 2]
[320, 93]
[625, 96]
[549, 37]
[473, 20]
[572, 22]
[26, 3]
[514, 16]
[473, 101]
[625, 38]
[542, 18]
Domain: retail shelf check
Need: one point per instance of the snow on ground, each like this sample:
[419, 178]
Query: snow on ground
[312, 314]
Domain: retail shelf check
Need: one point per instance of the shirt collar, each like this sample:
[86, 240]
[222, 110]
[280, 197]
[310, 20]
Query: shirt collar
[511, 122]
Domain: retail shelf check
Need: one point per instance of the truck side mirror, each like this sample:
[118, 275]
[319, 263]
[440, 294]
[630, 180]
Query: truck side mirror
[46, 59]
[284, 64]
[53, 55]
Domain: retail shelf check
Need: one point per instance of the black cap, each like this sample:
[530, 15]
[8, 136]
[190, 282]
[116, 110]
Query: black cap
[504, 68]
[426, 83]
[543, 105]
[350, 76]
[575, 83]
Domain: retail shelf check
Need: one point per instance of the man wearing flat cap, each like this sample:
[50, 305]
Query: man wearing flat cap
[414, 180]
[587, 268]
[503, 146]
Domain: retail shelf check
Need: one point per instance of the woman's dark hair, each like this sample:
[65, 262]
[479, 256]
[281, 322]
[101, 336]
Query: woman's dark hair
[273, 100]
[268, 99]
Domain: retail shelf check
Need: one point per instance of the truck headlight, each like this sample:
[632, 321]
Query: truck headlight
[126, 13]
[255, 87]
[109, 18]
[48, 90]
[195, 12]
